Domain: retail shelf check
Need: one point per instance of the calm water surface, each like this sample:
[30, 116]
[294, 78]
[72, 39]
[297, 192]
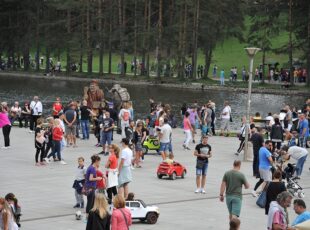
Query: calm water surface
[12, 88]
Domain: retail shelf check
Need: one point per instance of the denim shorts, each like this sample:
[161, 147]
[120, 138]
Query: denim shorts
[106, 138]
[164, 147]
[202, 171]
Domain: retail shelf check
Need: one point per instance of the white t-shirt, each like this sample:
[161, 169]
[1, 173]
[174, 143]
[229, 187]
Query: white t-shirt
[36, 107]
[124, 115]
[166, 132]
[226, 110]
[297, 152]
[270, 119]
[127, 156]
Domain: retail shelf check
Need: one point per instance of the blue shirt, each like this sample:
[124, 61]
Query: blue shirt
[90, 170]
[264, 162]
[304, 124]
[222, 74]
[301, 218]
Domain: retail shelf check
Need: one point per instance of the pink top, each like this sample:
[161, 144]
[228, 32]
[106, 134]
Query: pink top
[278, 219]
[4, 120]
[118, 221]
[186, 124]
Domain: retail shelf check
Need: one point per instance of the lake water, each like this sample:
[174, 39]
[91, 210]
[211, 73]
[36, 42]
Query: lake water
[15, 88]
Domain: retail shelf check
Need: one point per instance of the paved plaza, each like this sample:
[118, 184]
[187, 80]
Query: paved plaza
[47, 197]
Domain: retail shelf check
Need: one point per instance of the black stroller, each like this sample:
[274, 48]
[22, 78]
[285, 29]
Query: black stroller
[292, 185]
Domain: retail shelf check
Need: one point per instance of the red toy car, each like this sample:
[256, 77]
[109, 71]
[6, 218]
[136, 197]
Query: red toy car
[172, 170]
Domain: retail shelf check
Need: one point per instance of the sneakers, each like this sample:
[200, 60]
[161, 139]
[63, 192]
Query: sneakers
[38, 164]
[254, 194]
[4, 147]
[63, 162]
[237, 154]
[187, 148]
[47, 160]
[76, 206]
[200, 190]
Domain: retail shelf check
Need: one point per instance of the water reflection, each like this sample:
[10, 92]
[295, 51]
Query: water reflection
[12, 88]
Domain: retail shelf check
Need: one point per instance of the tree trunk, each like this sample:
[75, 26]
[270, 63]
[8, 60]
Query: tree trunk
[68, 68]
[26, 57]
[38, 39]
[110, 39]
[290, 48]
[100, 37]
[180, 39]
[143, 37]
[195, 38]
[183, 53]
[159, 41]
[47, 61]
[148, 38]
[263, 67]
[308, 53]
[88, 40]
[135, 39]
[121, 25]
[208, 58]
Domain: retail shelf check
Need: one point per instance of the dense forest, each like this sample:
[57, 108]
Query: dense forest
[172, 31]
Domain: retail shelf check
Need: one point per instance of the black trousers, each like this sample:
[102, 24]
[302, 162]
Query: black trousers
[33, 121]
[90, 201]
[111, 191]
[6, 134]
[255, 164]
[42, 155]
[242, 140]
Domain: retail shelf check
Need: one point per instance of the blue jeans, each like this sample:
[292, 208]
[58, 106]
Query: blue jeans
[105, 137]
[56, 149]
[85, 129]
[302, 141]
[300, 165]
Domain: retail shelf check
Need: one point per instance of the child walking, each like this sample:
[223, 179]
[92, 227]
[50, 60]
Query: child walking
[79, 183]
[39, 143]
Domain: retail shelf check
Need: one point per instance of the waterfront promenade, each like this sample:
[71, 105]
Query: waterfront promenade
[47, 197]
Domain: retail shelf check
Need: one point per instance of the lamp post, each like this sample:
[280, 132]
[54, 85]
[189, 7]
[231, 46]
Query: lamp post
[251, 53]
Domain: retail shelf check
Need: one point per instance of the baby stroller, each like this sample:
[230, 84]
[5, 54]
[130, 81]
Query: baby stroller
[292, 185]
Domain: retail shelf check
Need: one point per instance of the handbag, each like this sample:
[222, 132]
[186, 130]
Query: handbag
[262, 199]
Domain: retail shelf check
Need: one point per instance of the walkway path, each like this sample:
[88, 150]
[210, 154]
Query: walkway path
[47, 197]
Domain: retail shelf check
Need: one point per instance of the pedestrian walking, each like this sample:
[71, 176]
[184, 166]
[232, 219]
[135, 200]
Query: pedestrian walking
[79, 182]
[232, 183]
[203, 153]
[124, 169]
[99, 217]
[36, 110]
[5, 124]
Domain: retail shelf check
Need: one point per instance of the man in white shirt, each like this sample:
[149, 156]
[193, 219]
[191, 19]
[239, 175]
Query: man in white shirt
[165, 133]
[36, 109]
[226, 113]
[299, 154]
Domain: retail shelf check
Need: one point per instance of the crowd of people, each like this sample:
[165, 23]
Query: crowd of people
[286, 134]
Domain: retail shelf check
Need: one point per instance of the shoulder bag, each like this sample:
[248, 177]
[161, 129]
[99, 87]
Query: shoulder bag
[262, 199]
[124, 218]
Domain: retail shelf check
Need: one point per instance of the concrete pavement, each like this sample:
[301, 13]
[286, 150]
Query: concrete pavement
[47, 197]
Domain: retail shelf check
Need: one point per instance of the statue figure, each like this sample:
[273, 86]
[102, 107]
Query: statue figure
[94, 95]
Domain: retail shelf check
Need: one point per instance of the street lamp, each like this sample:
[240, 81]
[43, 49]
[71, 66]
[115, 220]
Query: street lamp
[251, 51]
